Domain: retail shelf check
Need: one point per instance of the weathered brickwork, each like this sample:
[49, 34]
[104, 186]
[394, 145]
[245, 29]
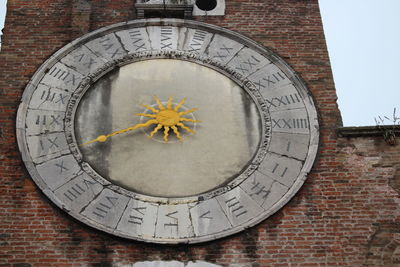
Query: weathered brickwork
[346, 214]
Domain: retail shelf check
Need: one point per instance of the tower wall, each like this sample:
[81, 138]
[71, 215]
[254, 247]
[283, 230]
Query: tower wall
[346, 214]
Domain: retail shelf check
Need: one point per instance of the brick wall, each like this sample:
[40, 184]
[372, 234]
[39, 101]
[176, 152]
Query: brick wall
[346, 214]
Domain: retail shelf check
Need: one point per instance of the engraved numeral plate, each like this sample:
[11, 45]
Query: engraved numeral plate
[107, 208]
[139, 219]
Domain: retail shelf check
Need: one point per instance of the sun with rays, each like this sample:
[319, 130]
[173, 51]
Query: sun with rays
[168, 118]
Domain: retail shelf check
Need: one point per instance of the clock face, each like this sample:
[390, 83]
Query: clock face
[227, 134]
[167, 131]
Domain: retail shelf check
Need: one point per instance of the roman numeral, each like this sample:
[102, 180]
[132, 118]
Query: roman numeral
[235, 207]
[63, 75]
[197, 41]
[77, 190]
[107, 44]
[279, 172]
[137, 40]
[174, 223]
[54, 119]
[259, 189]
[85, 60]
[53, 142]
[225, 51]
[290, 123]
[49, 96]
[43, 120]
[252, 62]
[242, 69]
[61, 166]
[270, 80]
[300, 123]
[283, 100]
[199, 35]
[221, 56]
[248, 64]
[206, 215]
[138, 217]
[281, 123]
[166, 33]
[74, 192]
[58, 73]
[105, 206]
[288, 146]
[41, 144]
[117, 51]
[133, 34]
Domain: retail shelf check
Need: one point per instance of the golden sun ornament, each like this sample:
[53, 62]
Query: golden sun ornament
[168, 117]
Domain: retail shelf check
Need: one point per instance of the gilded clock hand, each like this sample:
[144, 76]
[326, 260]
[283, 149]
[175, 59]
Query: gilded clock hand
[168, 117]
[103, 138]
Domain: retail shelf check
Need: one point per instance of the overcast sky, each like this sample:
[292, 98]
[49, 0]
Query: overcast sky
[363, 39]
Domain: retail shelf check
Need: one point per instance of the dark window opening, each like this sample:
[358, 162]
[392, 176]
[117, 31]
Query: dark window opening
[164, 14]
[206, 5]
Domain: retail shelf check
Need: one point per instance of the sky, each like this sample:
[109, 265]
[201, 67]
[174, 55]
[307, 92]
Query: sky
[363, 38]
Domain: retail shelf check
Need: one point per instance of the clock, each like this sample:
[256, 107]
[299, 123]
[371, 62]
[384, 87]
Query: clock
[167, 131]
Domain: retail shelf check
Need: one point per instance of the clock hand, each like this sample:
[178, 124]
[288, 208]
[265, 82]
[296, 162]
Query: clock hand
[165, 117]
[103, 138]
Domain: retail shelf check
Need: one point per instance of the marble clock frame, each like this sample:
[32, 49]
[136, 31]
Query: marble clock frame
[287, 150]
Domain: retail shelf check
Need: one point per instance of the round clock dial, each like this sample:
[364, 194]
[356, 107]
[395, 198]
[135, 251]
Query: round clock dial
[227, 131]
[167, 131]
